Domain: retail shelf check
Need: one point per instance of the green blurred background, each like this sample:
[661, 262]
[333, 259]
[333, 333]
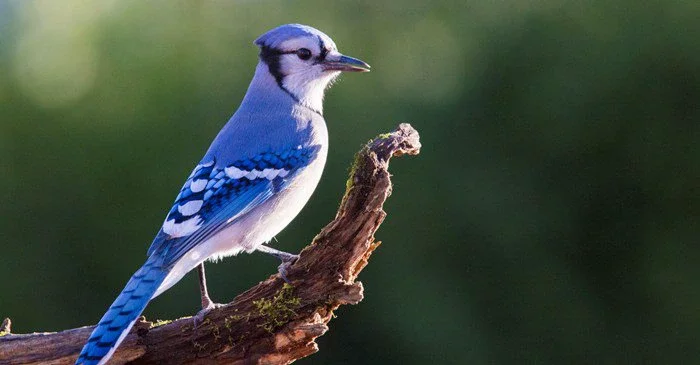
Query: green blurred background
[550, 217]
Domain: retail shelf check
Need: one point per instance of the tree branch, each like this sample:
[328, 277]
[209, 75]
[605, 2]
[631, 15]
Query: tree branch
[272, 322]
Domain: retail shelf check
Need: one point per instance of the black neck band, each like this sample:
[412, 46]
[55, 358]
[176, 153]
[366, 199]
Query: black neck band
[271, 57]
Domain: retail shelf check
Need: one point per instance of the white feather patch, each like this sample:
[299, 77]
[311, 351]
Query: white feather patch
[196, 168]
[198, 185]
[190, 208]
[266, 174]
[182, 229]
[270, 174]
[252, 175]
[234, 172]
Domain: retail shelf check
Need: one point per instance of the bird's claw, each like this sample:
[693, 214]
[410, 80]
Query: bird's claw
[199, 317]
[283, 269]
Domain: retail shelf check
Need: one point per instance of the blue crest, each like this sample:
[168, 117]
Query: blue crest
[273, 38]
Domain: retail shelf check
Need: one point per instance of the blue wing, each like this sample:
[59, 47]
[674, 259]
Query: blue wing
[213, 197]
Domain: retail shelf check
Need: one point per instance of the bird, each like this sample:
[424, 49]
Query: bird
[257, 175]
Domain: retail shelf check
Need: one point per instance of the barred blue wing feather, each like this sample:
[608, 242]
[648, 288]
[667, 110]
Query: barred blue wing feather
[214, 197]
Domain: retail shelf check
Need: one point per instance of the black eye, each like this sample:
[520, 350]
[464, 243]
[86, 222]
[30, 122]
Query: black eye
[304, 53]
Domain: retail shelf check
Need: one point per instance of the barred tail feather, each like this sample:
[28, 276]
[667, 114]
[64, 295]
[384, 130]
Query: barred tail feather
[122, 314]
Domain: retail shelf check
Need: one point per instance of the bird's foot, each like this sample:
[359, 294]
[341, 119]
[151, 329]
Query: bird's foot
[288, 259]
[206, 307]
[287, 262]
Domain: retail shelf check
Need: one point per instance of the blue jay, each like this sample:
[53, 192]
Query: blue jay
[256, 176]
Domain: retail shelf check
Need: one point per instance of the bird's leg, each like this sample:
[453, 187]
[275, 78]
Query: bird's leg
[288, 259]
[207, 303]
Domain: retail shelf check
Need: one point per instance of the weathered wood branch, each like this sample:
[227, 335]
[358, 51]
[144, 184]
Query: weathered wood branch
[272, 322]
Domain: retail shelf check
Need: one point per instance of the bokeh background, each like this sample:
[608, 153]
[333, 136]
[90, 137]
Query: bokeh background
[552, 216]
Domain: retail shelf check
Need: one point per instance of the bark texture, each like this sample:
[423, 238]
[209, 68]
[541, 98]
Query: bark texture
[272, 322]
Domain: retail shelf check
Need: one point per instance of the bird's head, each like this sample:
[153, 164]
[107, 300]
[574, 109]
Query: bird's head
[304, 61]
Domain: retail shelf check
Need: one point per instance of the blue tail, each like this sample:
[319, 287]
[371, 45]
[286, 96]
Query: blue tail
[122, 314]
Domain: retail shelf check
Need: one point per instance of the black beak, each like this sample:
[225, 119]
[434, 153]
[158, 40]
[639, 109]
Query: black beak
[345, 63]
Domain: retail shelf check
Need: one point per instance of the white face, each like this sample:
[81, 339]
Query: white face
[301, 63]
